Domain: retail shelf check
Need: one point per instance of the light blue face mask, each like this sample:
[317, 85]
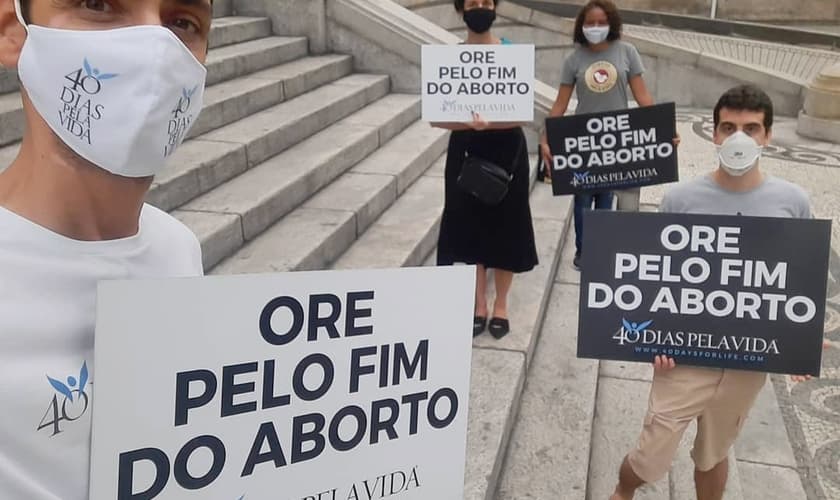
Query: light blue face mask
[596, 34]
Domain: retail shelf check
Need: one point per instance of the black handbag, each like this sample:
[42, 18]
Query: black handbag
[485, 180]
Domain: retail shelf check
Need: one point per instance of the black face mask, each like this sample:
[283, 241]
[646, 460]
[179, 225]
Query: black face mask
[479, 20]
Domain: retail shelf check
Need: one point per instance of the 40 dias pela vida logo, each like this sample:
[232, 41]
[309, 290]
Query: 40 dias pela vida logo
[78, 108]
[632, 333]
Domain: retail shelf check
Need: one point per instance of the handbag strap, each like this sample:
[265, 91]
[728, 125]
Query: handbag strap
[522, 142]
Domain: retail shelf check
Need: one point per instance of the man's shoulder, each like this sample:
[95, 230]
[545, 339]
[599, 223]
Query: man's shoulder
[158, 222]
[788, 188]
[793, 197]
[159, 226]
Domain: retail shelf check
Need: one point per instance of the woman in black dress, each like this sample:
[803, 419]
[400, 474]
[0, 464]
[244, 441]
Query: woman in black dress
[498, 237]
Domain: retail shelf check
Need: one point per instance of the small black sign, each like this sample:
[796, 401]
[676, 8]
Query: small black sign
[612, 151]
[736, 292]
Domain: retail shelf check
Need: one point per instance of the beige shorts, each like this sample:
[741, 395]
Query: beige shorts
[718, 399]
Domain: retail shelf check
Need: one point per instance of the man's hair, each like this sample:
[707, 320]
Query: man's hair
[746, 98]
[612, 15]
[459, 4]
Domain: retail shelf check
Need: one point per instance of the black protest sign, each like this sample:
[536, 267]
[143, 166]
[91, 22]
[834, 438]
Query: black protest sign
[726, 291]
[614, 150]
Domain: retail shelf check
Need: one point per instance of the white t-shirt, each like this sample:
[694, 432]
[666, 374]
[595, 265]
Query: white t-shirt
[47, 315]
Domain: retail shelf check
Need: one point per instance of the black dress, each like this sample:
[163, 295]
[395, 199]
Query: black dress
[500, 236]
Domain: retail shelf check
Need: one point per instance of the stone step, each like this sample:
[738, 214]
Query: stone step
[315, 234]
[241, 209]
[222, 64]
[207, 161]
[243, 58]
[227, 102]
[404, 235]
[224, 31]
[222, 8]
[231, 30]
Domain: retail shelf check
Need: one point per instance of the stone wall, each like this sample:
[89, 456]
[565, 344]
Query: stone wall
[690, 7]
[785, 10]
[752, 10]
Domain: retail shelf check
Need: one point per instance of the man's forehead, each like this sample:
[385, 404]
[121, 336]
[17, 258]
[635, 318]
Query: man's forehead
[741, 115]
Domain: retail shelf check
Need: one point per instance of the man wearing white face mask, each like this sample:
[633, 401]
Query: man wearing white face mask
[102, 85]
[718, 399]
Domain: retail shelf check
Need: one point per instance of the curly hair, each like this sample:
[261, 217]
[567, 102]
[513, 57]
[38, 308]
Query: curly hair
[612, 15]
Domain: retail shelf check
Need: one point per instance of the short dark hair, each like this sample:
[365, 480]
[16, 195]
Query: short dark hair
[459, 4]
[746, 98]
[612, 15]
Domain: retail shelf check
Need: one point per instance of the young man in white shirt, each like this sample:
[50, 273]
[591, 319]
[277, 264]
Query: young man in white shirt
[109, 91]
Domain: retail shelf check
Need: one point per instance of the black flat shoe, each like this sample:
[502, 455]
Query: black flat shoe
[499, 327]
[479, 324]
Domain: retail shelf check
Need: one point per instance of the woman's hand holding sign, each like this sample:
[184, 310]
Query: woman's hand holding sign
[478, 122]
[545, 150]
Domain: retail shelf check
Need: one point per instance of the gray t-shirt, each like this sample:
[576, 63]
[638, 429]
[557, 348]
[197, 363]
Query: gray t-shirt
[601, 78]
[775, 197]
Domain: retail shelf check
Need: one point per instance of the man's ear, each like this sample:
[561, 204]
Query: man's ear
[12, 35]
[768, 137]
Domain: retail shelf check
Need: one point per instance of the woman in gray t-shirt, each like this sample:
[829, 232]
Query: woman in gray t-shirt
[600, 70]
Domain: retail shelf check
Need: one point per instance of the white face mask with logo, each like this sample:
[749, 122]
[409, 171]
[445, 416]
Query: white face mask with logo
[596, 34]
[738, 154]
[123, 99]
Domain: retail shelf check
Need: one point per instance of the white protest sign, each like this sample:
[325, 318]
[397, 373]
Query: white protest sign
[302, 386]
[495, 81]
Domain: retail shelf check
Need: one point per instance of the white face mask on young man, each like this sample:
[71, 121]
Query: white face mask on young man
[123, 99]
[739, 154]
